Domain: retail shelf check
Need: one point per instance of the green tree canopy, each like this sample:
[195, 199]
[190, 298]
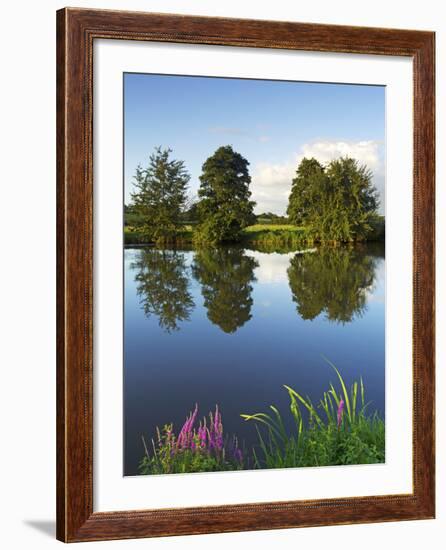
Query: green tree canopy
[163, 286]
[160, 195]
[336, 203]
[224, 207]
[333, 281]
[225, 275]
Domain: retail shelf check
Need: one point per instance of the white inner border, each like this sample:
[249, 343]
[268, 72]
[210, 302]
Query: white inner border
[113, 491]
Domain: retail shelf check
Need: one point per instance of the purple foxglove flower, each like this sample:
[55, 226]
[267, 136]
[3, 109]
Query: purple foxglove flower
[202, 436]
[193, 417]
[340, 412]
[185, 435]
[212, 442]
[216, 419]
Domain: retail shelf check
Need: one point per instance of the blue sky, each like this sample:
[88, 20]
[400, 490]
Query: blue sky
[271, 123]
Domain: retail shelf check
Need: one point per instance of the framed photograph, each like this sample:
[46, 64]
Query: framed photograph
[245, 275]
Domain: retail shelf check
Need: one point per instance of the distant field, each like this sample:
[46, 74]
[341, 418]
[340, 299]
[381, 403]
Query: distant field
[258, 234]
[134, 236]
[261, 227]
[274, 237]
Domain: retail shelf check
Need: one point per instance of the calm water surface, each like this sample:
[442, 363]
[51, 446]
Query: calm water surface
[231, 326]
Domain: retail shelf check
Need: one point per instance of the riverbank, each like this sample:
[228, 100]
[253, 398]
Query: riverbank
[268, 235]
[336, 431]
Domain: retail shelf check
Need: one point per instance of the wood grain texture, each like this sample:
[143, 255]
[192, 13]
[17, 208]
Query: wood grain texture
[76, 31]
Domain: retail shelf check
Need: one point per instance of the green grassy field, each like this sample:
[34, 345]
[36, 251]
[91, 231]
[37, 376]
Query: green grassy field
[134, 236]
[270, 236]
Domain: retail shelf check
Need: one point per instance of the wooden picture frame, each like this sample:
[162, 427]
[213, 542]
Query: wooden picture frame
[76, 31]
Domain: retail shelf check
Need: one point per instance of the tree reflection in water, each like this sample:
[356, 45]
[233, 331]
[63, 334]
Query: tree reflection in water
[331, 281]
[225, 275]
[334, 281]
[163, 286]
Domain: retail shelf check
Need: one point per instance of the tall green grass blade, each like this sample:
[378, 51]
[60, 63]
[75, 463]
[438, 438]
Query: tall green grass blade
[354, 397]
[264, 419]
[280, 424]
[335, 395]
[306, 403]
[344, 389]
[318, 442]
[332, 410]
[294, 408]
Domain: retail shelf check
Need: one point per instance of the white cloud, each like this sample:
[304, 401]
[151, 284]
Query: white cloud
[271, 183]
[365, 152]
[272, 268]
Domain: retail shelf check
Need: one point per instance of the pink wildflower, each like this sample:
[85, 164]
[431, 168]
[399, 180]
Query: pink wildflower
[340, 412]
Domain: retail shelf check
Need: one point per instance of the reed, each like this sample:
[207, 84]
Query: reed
[338, 430]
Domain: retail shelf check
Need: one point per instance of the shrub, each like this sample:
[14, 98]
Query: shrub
[195, 449]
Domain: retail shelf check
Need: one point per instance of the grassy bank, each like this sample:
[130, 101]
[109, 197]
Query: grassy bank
[133, 236]
[337, 431]
[258, 234]
[269, 236]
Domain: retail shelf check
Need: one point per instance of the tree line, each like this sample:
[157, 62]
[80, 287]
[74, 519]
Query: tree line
[336, 202]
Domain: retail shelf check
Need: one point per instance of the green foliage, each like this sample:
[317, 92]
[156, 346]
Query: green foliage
[260, 228]
[133, 235]
[305, 186]
[224, 206]
[159, 197]
[188, 461]
[131, 217]
[163, 286]
[225, 275]
[194, 449]
[378, 232]
[190, 213]
[275, 237]
[323, 435]
[336, 203]
[332, 280]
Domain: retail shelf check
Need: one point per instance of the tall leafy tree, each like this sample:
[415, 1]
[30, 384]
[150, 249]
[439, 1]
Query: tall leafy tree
[307, 184]
[160, 195]
[224, 207]
[336, 203]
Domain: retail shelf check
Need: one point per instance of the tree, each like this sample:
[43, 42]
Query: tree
[190, 211]
[163, 286]
[335, 203]
[224, 207]
[304, 190]
[160, 196]
[225, 275]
